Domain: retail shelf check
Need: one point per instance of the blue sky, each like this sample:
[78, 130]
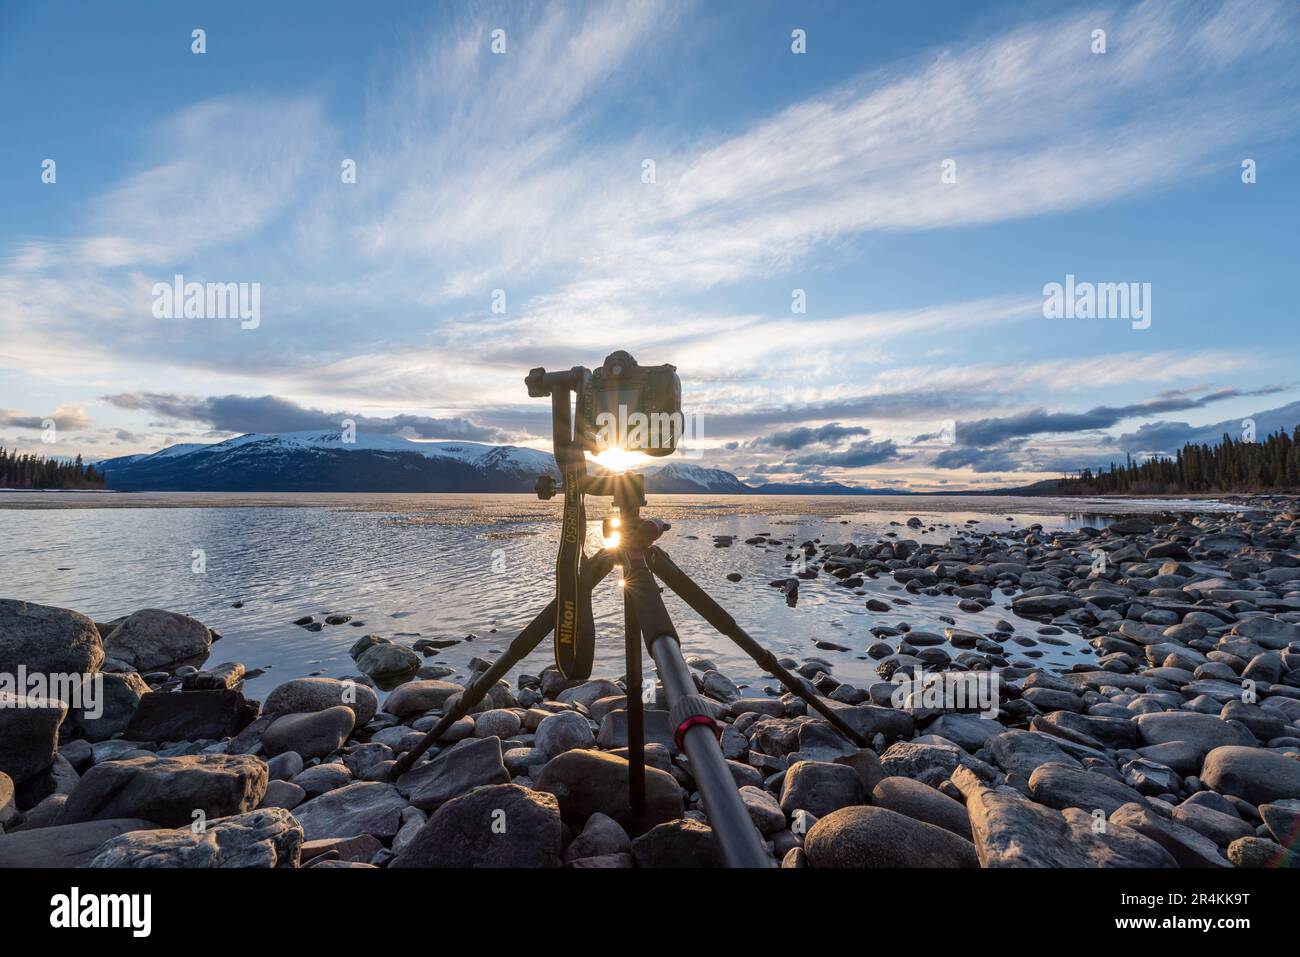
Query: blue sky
[774, 171]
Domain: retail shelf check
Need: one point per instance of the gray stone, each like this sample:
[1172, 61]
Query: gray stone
[316, 694]
[1252, 852]
[467, 831]
[168, 790]
[499, 722]
[1205, 731]
[153, 638]
[819, 787]
[587, 782]
[323, 778]
[1256, 775]
[922, 803]
[1012, 831]
[468, 764]
[1185, 845]
[284, 766]
[1218, 825]
[269, 837]
[315, 734]
[1060, 786]
[63, 845]
[283, 794]
[857, 837]
[562, 732]
[388, 660]
[1023, 751]
[417, 697]
[29, 734]
[121, 696]
[681, 843]
[366, 807]
[763, 809]
[601, 837]
[47, 640]
[190, 716]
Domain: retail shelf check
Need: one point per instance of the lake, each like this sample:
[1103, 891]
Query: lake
[450, 566]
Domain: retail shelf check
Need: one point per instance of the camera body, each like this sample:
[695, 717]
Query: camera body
[629, 406]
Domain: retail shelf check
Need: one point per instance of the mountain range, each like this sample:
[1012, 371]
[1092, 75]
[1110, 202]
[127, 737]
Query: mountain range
[321, 461]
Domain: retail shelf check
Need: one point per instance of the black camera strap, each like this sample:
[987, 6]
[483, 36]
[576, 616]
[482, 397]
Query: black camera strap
[575, 626]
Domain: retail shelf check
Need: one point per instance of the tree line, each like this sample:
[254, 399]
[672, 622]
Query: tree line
[1230, 466]
[37, 471]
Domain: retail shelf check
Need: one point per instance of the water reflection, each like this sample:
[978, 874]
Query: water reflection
[477, 568]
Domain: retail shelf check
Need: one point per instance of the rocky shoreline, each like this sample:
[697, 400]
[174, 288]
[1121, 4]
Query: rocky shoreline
[1175, 743]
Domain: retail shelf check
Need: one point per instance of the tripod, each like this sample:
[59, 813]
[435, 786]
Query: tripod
[645, 617]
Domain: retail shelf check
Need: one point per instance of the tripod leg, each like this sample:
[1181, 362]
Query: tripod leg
[696, 730]
[635, 711]
[713, 613]
[596, 568]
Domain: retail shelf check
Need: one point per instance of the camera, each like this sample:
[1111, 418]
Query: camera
[629, 406]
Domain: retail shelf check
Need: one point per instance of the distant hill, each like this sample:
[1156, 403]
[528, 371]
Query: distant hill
[322, 462]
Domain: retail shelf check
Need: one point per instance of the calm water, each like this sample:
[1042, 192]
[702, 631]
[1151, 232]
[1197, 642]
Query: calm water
[448, 566]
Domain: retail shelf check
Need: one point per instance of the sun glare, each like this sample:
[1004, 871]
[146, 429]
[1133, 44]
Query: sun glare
[615, 459]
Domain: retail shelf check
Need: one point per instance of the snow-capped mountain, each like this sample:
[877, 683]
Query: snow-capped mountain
[321, 461]
[682, 477]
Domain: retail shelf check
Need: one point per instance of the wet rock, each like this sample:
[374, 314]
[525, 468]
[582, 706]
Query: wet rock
[388, 659]
[1023, 751]
[1220, 824]
[63, 845]
[190, 716]
[168, 790]
[565, 731]
[857, 837]
[501, 825]
[763, 809]
[498, 722]
[819, 787]
[225, 676]
[417, 697]
[323, 778]
[29, 734]
[601, 837]
[589, 692]
[316, 694]
[1186, 846]
[1256, 775]
[316, 734]
[459, 769]
[682, 843]
[121, 696]
[922, 803]
[1256, 852]
[47, 640]
[365, 807]
[1204, 731]
[587, 782]
[154, 638]
[1012, 831]
[1060, 786]
[270, 837]
[283, 794]
[1283, 822]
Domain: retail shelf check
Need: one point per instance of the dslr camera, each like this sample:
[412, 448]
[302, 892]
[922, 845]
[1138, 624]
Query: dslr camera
[623, 405]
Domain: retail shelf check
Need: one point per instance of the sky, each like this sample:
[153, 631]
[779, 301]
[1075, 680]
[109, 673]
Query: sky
[840, 221]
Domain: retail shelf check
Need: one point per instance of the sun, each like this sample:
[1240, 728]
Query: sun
[615, 459]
